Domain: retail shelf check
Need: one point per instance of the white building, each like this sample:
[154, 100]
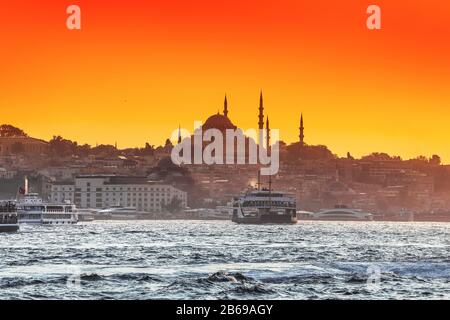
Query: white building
[102, 191]
[7, 174]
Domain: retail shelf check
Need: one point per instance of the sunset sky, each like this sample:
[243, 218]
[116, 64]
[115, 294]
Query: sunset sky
[139, 68]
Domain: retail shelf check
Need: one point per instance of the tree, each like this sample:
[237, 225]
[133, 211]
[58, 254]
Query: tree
[435, 160]
[7, 131]
[84, 150]
[149, 150]
[380, 156]
[105, 150]
[62, 147]
[421, 159]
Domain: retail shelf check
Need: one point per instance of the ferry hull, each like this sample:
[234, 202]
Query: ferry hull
[116, 217]
[9, 227]
[59, 222]
[47, 222]
[339, 219]
[25, 221]
[266, 219]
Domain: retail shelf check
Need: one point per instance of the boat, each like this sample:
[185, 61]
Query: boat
[8, 216]
[403, 215]
[342, 213]
[31, 209]
[219, 213]
[86, 215]
[264, 206]
[305, 215]
[118, 213]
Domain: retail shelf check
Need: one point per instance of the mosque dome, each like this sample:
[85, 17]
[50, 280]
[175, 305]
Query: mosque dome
[219, 122]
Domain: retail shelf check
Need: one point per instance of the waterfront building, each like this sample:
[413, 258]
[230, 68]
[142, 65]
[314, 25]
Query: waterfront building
[7, 174]
[102, 191]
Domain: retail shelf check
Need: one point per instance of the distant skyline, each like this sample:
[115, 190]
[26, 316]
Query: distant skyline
[138, 69]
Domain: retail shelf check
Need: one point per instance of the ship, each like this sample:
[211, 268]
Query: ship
[219, 213]
[31, 209]
[8, 216]
[342, 213]
[264, 206]
[118, 212]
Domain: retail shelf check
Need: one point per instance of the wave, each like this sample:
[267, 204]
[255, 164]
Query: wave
[8, 283]
[139, 277]
[253, 289]
[222, 276]
[300, 279]
[91, 277]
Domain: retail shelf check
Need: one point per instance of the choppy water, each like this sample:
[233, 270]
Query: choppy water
[218, 259]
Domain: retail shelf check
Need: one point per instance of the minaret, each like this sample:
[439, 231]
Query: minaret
[261, 113]
[302, 130]
[268, 153]
[225, 107]
[268, 135]
[179, 134]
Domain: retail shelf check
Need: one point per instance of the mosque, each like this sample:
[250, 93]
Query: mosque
[298, 150]
[222, 122]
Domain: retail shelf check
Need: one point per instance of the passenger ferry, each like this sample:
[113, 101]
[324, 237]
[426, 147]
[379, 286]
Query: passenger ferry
[342, 213]
[118, 213]
[8, 216]
[264, 206]
[32, 209]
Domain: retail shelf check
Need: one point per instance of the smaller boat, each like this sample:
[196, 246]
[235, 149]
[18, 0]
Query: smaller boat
[305, 215]
[118, 213]
[8, 217]
[86, 215]
[219, 213]
[342, 213]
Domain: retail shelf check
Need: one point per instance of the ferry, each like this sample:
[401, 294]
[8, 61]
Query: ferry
[342, 213]
[86, 215]
[264, 206]
[8, 216]
[118, 213]
[219, 213]
[32, 209]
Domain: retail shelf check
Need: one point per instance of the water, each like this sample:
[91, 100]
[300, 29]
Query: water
[218, 259]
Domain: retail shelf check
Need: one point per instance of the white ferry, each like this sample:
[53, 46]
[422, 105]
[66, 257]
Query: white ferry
[86, 215]
[118, 213]
[219, 213]
[264, 206]
[8, 217]
[342, 213]
[32, 209]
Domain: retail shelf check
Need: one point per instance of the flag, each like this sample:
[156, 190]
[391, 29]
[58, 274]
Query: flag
[21, 190]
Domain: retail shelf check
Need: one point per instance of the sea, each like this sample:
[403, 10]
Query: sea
[222, 260]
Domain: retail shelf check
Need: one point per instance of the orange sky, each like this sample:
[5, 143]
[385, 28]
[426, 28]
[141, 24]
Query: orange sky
[138, 68]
